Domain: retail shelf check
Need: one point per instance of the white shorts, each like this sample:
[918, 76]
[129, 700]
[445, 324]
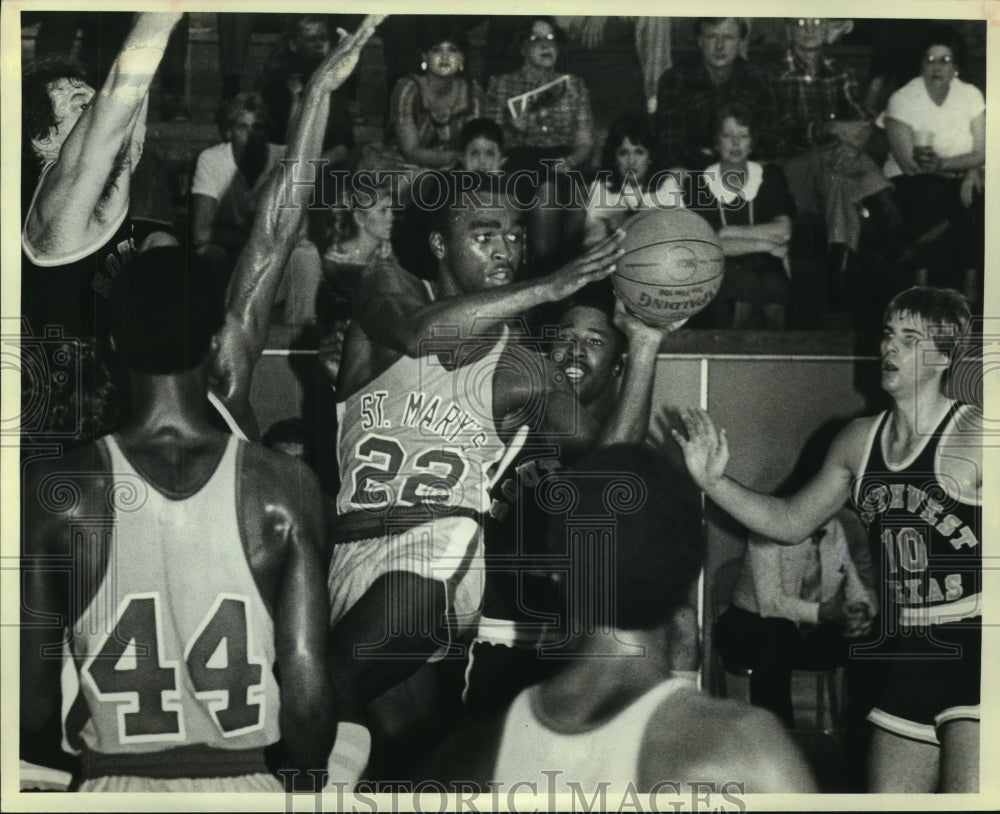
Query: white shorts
[448, 550]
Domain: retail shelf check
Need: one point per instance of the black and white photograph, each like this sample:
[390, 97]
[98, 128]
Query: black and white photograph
[412, 409]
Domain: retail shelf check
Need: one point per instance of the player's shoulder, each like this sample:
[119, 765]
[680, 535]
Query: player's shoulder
[967, 421]
[852, 440]
[959, 456]
[385, 277]
[691, 735]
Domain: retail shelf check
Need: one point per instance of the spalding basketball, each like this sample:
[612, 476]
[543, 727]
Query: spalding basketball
[671, 267]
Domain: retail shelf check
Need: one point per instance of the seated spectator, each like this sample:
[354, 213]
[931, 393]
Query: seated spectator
[690, 93]
[427, 110]
[228, 177]
[548, 128]
[630, 179]
[285, 75]
[750, 207]
[481, 146]
[357, 236]
[936, 125]
[820, 130]
[556, 123]
[795, 607]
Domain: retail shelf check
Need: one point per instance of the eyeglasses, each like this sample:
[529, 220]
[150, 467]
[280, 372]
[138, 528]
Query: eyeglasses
[815, 22]
[944, 59]
[542, 38]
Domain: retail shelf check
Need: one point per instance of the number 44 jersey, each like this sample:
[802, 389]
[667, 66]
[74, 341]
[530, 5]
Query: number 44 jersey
[177, 646]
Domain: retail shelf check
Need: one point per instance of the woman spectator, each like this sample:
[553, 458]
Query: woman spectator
[427, 110]
[630, 179]
[751, 208]
[356, 238]
[545, 116]
[936, 125]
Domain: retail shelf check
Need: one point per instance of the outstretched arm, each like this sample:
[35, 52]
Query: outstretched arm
[87, 187]
[404, 323]
[786, 520]
[629, 419]
[260, 266]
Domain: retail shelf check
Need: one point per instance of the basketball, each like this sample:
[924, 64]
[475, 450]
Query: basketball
[671, 267]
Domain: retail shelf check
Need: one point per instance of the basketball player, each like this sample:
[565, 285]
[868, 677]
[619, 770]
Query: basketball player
[432, 387]
[915, 475]
[77, 233]
[594, 335]
[196, 574]
[283, 201]
[608, 725]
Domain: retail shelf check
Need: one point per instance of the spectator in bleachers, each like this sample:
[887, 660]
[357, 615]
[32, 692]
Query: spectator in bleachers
[556, 123]
[821, 130]
[690, 93]
[427, 110]
[481, 146]
[936, 125]
[795, 607]
[228, 177]
[750, 207]
[357, 236]
[630, 181]
[285, 75]
[548, 128]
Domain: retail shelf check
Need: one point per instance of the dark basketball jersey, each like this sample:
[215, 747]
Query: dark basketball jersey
[70, 292]
[517, 586]
[929, 538]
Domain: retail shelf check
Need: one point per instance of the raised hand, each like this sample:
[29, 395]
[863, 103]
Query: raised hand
[706, 451]
[341, 61]
[589, 267]
[639, 333]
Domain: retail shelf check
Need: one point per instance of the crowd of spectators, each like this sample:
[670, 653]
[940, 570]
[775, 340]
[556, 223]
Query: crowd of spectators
[883, 172]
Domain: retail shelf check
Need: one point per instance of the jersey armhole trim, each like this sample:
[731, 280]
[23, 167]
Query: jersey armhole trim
[79, 254]
[952, 421]
[866, 453]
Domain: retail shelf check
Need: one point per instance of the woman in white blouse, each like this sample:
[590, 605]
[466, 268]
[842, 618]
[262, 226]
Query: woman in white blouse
[936, 125]
[629, 180]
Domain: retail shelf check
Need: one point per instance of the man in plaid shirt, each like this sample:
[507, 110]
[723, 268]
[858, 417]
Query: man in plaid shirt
[690, 94]
[820, 130]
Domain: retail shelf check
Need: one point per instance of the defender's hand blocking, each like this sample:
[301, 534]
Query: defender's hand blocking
[341, 61]
[706, 451]
[589, 267]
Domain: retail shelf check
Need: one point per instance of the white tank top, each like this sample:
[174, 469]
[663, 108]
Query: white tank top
[177, 646]
[607, 754]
